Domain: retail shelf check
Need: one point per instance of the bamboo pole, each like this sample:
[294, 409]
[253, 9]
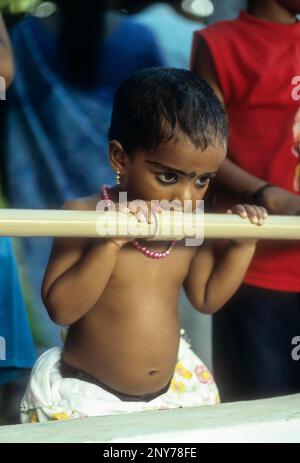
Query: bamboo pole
[168, 225]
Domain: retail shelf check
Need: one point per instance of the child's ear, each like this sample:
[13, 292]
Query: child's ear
[118, 157]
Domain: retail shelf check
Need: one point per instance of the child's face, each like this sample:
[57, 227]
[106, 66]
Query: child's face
[174, 171]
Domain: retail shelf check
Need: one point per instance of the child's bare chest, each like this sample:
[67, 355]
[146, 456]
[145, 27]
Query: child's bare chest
[134, 267]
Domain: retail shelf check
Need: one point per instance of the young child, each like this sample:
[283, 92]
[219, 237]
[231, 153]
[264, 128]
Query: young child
[253, 65]
[123, 351]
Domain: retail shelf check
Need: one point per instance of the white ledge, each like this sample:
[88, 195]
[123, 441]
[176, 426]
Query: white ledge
[269, 420]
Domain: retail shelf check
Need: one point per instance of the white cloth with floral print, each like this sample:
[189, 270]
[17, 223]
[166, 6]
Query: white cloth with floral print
[50, 397]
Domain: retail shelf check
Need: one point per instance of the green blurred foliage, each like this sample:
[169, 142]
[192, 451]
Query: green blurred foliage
[25, 6]
[18, 6]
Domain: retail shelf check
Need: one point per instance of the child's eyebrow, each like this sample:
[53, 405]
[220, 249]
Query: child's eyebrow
[191, 174]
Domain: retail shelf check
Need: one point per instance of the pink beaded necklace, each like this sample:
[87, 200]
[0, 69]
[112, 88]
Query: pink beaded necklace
[146, 251]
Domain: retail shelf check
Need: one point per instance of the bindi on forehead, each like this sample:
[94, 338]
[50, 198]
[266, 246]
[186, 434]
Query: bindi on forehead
[191, 175]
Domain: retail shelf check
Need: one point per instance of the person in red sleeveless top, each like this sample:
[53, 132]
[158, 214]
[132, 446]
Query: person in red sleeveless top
[253, 64]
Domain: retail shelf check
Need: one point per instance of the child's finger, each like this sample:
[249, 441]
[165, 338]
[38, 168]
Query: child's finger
[137, 212]
[147, 210]
[260, 214]
[123, 208]
[142, 214]
[157, 208]
[240, 209]
[252, 213]
[152, 209]
[148, 213]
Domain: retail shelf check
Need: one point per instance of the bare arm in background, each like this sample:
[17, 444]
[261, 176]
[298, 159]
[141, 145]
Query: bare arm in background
[276, 200]
[6, 54]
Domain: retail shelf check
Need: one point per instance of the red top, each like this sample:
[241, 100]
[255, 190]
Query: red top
[256, 61]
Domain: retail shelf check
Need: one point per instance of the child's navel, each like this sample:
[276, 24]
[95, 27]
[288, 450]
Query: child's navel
[153, 372]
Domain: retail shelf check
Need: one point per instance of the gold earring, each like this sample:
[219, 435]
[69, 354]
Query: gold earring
[118, 177]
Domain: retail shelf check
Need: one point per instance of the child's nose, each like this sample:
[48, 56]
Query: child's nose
[184, 196]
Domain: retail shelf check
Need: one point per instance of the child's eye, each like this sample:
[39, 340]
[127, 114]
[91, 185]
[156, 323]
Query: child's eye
[202, 181]
[167, 178]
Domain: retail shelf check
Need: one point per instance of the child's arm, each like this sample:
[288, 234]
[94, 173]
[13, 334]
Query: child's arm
[77, 273]
[79, 269]
[203, 66]
[210, 284]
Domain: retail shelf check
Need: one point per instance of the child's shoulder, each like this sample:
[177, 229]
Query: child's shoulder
[87, 203]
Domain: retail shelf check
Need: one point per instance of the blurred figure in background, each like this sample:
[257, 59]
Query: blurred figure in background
[17, 353]
[251, 63]
[173, 28]
[68, 67]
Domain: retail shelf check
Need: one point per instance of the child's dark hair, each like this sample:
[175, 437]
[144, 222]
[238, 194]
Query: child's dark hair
[154, 105]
